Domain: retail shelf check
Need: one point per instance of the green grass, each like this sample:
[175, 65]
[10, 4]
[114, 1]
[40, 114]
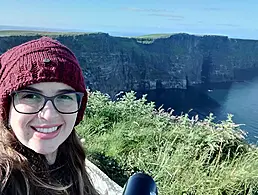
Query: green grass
[184, 156]
[150, 38]
[155, 36]
[33, 33]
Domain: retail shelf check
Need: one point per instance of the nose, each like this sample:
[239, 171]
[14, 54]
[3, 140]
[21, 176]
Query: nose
[48, 112]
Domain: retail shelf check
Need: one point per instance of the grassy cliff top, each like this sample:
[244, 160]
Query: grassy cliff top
[148, 38]
[52, 33]
[184, 156]
[155, 36]
[33, 33]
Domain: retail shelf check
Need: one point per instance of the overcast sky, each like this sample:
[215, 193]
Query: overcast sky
[233, 18]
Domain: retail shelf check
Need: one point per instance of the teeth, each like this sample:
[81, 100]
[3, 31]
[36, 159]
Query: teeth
[46, 130]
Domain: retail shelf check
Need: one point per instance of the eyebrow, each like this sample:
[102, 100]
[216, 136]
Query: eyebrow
[58, 91]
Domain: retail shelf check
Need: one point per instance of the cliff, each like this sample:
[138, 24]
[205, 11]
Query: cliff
[111, 64]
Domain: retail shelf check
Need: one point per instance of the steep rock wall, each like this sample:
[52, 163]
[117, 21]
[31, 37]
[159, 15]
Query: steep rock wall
[112, 64]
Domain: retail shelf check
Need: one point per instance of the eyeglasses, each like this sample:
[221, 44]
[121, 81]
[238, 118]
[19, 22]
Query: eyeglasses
[30, 102]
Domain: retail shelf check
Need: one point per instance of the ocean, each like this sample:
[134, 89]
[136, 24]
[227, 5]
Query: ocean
[239, 99]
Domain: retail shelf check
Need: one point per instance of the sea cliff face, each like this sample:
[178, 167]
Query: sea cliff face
[113, 64]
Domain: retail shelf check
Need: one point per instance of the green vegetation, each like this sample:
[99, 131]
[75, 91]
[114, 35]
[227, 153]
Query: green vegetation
[144, 39]
[155, 36]
[34, 33]
[184, 156]
[150, 38]
[52, 33]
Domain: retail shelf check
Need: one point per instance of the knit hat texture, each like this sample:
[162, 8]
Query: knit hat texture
[40, 60]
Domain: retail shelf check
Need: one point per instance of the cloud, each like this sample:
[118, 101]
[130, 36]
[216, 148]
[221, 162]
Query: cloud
[169, 16]
[156, 13]
[213, 9]
[186, 24]
[135, 9]
[228, 25]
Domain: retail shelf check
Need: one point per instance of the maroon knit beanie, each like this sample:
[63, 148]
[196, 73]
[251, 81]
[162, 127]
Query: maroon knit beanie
[40, 60]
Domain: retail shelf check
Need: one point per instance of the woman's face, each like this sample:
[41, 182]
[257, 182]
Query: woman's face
[46, 130]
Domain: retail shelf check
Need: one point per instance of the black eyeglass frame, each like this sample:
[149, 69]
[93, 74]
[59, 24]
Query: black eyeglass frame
[51, 99]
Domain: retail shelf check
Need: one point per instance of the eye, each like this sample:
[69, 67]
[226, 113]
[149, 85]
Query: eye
[66, 97]
[30, 96]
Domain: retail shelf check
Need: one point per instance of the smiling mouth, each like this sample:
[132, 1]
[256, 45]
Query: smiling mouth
[46, 130]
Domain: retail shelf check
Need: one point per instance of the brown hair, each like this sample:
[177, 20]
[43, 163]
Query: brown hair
[23, 171]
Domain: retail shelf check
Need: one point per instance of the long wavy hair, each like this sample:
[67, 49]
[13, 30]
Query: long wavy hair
[23, 171]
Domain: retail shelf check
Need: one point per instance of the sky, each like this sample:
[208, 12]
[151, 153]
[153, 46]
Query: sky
[232, 18]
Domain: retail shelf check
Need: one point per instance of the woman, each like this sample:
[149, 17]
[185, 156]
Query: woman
[42, 98]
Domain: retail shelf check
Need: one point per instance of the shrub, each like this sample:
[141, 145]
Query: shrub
[184, 155]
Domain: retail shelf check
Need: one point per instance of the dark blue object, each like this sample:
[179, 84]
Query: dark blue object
[140, 184]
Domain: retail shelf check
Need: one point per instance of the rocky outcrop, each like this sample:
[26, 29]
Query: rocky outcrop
[102, 183]
[113, 64]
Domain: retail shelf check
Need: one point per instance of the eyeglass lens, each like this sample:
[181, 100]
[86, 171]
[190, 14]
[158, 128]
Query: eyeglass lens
[31, 102]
